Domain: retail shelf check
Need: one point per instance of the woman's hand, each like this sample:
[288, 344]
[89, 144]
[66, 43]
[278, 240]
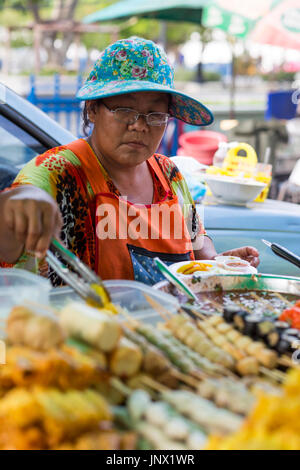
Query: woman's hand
[31, 218]
[248, 253]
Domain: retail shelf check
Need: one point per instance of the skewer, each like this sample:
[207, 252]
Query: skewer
[285, 361]
[287, 302]
[217, 306]
[129, 319]
[154, 385]
[243, 307]
[265, 302]
[120, 386]
[199, 315]
[163, 312]
[273, 374]
[185, 378]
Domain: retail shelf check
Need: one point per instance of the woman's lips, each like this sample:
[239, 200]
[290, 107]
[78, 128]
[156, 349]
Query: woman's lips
[135, 145]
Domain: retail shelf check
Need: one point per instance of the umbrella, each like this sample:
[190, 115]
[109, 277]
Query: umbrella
[281, 27]
[274, 22]
[169, 10]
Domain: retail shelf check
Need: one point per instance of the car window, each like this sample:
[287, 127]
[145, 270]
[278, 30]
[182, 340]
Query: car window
[17, 146]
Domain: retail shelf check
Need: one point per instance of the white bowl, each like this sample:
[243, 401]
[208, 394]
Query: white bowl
[231, 190]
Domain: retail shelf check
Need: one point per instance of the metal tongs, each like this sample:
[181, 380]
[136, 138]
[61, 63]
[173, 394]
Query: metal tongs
[283, 252]
[81, 279]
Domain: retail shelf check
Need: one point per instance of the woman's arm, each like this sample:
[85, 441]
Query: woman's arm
[208, 251]
[29, 219]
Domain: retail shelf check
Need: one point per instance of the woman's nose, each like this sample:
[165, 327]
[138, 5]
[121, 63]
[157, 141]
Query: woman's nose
[140, 124]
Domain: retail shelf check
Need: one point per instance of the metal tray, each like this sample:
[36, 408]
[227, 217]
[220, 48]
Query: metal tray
[228, 282]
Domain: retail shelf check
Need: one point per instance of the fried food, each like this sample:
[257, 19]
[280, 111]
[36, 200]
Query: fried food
[95, 326]
[27, 327]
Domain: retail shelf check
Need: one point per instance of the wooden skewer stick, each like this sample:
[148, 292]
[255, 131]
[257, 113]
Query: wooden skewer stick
[199, 315]
[286, 361]
[243, 307]
[286, 301]
[217, 306]
[189, 380]
[129, 319]
[274, 375]
[265, 302]
[153, 384]
[163, 312]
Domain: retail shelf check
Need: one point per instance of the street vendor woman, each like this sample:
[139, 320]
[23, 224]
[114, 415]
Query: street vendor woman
[121, 203]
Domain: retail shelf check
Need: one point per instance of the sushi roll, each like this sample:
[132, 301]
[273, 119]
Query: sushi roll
[251, 325]
[274, 337]
[291, 340]
[229, 312]
[293, 332]
[239, 320]
[265, 327]
[283, 347]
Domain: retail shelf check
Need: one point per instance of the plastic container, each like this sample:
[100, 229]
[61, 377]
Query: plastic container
[280, 105]
[18, 286]
[221, 153]
[128, 294]
[201, 145]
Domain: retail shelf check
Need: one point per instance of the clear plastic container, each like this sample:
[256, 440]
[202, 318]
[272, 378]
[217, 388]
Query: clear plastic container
[221, 153]
[18, 286]
[128, 294]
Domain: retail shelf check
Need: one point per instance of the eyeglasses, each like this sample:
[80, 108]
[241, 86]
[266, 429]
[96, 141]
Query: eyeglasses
[130, 116]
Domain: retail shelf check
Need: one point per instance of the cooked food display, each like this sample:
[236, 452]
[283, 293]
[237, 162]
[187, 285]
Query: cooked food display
[94, 380]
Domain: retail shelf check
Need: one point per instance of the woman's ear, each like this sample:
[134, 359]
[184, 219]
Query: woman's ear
[91, 110]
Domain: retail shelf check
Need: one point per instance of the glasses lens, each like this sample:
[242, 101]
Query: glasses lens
[157, 119]
[125, 115]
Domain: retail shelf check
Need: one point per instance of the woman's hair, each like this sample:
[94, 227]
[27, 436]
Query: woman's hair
[86, 126]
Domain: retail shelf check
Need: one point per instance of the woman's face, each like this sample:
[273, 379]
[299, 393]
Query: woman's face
[127, 145]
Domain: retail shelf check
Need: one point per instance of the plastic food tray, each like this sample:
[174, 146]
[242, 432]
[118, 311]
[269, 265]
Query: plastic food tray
[128, 294]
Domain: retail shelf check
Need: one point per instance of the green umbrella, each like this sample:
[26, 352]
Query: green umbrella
[169, 10]
[235, 24]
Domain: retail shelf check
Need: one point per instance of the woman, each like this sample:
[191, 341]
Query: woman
[121, 203]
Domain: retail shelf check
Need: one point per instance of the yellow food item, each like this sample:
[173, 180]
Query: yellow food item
[106, 302]
[194, 266]
[94, 326]
[272, 425]
[126, 360]
[59, 415]
[27, 327]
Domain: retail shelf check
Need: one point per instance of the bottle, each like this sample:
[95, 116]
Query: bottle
[221, 153]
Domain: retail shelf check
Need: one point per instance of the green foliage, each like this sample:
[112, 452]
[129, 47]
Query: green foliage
[279, 76]
[211, 76]
[182, 74]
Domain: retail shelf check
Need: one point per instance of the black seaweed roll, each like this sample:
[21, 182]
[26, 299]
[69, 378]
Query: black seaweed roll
[265, 327]
[229, 312]
[251, 325]
[239, 319]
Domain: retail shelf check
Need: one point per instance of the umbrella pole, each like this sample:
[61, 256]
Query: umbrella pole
[233, 82]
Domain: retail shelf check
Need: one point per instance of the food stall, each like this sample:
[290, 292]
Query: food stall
[150, 368]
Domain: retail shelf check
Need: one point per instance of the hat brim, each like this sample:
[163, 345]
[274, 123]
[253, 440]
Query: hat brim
[182, 107]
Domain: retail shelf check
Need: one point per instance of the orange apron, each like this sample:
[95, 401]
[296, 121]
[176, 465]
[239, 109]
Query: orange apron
[129, 236]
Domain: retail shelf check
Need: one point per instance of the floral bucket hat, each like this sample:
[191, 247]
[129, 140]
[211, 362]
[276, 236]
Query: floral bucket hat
[136, 64]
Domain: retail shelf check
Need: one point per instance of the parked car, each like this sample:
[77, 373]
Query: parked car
[25, 132]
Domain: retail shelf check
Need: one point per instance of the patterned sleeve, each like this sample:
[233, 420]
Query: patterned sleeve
[180, 188]
[57, 172]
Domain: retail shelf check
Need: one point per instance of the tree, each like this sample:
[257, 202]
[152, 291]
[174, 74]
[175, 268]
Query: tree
[205, 38]
[49, 12]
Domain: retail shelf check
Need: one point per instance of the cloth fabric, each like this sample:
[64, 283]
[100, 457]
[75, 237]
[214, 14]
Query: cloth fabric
[61, 173]
[136, 64]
